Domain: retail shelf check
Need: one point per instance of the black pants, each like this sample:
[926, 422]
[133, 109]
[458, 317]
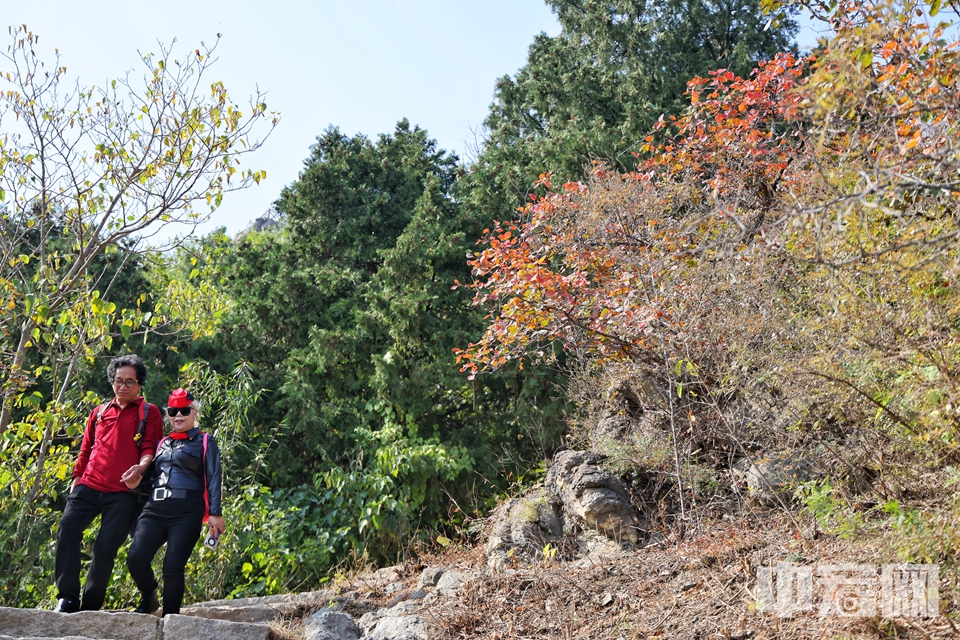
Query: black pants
[117, 511]
[178, 522]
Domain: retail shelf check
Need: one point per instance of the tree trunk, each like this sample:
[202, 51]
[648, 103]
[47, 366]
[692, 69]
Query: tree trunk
[15, 367]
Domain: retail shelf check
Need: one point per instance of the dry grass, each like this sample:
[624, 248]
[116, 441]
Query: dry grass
[701, 587]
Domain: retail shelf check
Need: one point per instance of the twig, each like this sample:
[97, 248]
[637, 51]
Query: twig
[917, 627]
[890, 412]
[664, 619]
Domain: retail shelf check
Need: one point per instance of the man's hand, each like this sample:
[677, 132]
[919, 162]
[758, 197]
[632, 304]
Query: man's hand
[132, 477]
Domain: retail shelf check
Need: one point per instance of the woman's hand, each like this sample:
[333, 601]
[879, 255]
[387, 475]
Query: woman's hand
[132, 477]
[216, 525]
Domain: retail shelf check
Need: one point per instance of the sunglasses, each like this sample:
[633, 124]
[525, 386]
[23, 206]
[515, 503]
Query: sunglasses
[184, 411]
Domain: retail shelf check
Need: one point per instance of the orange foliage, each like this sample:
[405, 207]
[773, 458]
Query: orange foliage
[809, 213]
[567, 271]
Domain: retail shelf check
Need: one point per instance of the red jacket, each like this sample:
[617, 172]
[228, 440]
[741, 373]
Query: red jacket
[109, 448]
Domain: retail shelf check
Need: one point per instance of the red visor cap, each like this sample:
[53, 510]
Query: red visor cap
[179, 399]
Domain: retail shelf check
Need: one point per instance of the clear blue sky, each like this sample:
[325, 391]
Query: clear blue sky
[361, 65]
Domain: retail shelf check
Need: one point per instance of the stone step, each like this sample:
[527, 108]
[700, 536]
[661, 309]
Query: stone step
[285, 598]
[97, 625]
[263, 609]
[174, 627]
[249, 613]
[122, 625]
[35, 638]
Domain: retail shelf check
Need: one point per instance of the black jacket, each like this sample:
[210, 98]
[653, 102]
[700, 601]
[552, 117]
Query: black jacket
[180, 464]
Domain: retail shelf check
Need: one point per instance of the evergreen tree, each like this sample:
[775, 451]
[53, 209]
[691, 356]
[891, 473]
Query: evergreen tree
[348, 313]
[594, 91]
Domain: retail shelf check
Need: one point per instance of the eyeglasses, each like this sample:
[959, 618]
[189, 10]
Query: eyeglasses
[184, 411]
[129, 382]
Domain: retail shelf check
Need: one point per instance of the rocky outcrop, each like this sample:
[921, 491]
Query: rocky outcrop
[578, 497]
[775, 476]
[630, 405]
[524, 526]
[593, 495]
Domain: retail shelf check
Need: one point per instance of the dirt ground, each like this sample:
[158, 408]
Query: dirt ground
[704, 586]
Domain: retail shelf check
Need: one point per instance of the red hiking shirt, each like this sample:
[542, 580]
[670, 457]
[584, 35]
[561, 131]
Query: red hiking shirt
[101, 463]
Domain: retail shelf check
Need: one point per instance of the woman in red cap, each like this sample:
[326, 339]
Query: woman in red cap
[187, 465]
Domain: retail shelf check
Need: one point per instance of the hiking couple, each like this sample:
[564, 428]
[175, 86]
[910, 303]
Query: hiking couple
[123, 446]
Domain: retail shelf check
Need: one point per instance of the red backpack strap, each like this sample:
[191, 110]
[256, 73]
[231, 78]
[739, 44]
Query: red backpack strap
[206, 494]
[96, 423]
[138, 437]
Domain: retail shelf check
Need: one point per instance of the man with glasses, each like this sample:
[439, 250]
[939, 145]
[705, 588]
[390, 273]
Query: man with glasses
[113, 452]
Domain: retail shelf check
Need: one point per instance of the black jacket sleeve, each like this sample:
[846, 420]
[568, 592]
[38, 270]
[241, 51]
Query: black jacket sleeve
[214, 476]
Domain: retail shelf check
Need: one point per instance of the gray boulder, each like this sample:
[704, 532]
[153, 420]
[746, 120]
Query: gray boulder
[331, 625]
[400, 628]
[371, 620]
[429, 577]
[449, 583]
[368, 621]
